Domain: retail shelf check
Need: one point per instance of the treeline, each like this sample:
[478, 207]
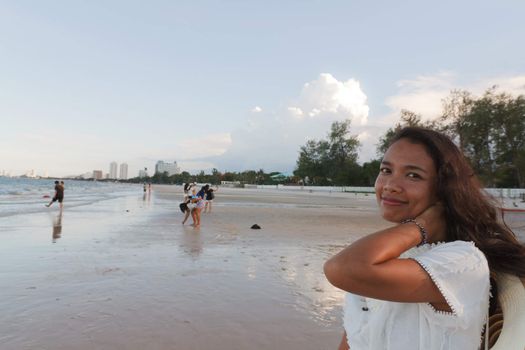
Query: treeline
[490, 130]
[216, 177]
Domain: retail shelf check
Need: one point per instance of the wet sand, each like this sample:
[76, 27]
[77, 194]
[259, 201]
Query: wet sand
[125, 274]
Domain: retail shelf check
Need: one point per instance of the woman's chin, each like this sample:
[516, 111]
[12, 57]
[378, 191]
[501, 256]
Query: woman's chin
[395, 217]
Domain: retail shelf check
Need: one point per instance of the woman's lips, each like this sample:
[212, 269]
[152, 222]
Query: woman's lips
[392, 201]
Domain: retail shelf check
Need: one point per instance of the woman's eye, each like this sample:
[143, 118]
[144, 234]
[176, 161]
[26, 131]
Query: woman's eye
[384, 170]
[414, 176]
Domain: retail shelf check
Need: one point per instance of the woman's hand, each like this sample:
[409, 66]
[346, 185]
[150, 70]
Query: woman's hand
[433, 220]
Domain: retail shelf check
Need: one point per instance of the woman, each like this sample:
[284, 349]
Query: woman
[424, 283]
[196, 212]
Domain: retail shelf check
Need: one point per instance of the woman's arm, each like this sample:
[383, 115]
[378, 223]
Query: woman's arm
[371, 266]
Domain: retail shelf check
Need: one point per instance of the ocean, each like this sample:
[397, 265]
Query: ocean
[22, 195]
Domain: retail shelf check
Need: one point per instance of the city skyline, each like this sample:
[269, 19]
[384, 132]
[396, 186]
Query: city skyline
[234, 87]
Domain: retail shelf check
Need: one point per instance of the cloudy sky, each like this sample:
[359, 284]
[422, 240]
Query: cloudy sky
[234, 85]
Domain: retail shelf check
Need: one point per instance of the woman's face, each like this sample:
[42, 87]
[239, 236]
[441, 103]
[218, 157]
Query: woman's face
[407, 181]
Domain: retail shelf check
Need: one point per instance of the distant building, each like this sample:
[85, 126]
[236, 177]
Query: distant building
[123, 171]
[113, 170]
[98, 174]
[170, 168]
[143, 173]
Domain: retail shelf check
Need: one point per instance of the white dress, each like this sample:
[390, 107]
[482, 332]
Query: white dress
[461, 272]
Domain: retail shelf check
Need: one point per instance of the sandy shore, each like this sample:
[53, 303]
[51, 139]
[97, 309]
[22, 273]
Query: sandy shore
[125, 274]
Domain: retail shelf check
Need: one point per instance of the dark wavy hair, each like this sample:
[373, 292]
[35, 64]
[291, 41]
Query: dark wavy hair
[471, 213]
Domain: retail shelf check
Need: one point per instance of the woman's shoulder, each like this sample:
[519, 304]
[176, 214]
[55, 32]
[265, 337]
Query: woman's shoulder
[456, 255]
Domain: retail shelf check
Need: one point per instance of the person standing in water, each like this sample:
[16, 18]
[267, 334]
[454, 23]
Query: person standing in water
[59, 195]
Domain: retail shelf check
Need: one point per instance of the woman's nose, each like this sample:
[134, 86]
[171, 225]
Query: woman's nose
[391, 185]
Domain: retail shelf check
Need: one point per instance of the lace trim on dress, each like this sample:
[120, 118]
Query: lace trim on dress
[438, 285]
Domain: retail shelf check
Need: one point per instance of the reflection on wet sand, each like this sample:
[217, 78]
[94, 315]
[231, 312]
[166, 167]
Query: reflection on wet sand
[146, 197]
[192, 243]
[301, 269]
[57, 227]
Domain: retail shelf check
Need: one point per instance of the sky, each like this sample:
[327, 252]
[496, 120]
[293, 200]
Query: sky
[233, 85]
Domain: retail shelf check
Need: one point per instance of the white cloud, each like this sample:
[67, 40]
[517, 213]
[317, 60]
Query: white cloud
[203, 146]
[272, 140]
[513, 85]
[327, 97]
[424, 94]
[296, 112]
[256, 109]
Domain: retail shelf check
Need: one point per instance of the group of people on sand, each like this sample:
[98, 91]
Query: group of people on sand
[59, 194]
[197, 201]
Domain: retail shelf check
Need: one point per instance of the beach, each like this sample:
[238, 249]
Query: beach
[124, 273]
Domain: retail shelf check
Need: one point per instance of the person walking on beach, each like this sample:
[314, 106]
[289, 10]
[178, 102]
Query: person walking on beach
[59, 195]
[424, 282]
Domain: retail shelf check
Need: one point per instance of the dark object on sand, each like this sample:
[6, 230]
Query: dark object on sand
[255, 227]
[183, 207]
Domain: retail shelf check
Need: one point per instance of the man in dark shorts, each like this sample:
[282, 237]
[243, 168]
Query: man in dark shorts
[59, 195]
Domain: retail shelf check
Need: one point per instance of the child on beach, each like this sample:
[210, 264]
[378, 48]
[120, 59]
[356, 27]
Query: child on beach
[424, 283]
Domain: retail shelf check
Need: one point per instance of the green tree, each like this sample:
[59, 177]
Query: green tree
[331, 161]
[407, 118]
[311, 161]
[370, 171]
[509, 139]
[456, 109]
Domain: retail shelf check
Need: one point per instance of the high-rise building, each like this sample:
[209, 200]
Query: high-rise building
[123, 171]
[170, 168]
[143, 173]
[113, 170]
[98, 174]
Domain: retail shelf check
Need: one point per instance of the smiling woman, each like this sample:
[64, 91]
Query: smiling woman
[424, 283]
